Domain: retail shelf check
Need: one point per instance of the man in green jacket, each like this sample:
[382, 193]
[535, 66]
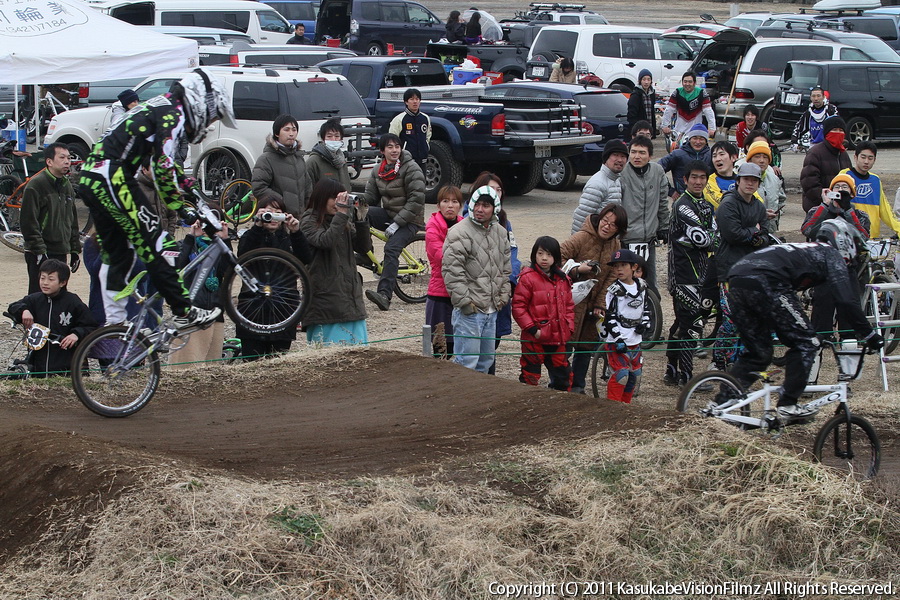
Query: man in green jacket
[48, 219]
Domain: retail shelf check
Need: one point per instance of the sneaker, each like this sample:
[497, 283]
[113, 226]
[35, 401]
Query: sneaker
[671, 376]
[196, 317]
[795, 411]
[378, 299]
[576, 390]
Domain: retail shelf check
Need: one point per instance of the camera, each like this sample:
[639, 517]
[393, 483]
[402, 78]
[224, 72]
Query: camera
[352, 200]
[833, 195]
[268, 217]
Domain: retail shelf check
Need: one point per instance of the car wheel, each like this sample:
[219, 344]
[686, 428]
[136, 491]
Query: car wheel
[859, 130]
[557, 174]
[375, 49]
[520, 179]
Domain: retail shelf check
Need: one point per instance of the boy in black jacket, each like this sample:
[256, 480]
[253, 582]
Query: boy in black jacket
[61, 311]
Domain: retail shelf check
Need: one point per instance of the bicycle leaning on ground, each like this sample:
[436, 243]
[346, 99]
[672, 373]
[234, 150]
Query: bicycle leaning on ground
[846, 441]
[118, 366]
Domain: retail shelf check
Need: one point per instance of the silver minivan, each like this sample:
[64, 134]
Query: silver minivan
[759, 65]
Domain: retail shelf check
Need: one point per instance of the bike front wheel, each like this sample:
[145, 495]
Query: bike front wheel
[115, 373]
[13, 240]
[281, 296]
[849, 445]
[414, 272]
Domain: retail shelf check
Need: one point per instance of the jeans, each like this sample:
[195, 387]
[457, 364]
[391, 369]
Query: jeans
[473, 342]
[380, 220]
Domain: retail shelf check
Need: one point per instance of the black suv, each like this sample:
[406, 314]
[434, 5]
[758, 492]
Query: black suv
[866, 94]
[368, 26]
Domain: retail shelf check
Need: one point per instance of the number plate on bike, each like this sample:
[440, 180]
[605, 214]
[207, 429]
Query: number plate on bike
[642, 250]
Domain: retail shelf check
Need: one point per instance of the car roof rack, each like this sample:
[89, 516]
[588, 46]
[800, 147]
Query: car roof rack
[544, 6]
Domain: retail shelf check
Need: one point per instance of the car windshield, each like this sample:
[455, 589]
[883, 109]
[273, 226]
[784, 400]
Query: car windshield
[803, 77]
[272, 21]
[608, 106]
[874, 47]
[552, 40]
[595, 20]
[324, 99]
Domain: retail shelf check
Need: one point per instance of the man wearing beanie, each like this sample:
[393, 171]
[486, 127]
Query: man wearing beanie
[770, 188]
[604, 186]
[823, 161]
[809, 129]
[127, 100]
[694, 147]
[642, 102]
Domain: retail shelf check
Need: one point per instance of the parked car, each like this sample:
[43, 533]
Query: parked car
[749, 21]
[258, 96]
[257, 20]
[866, 94]
[368, 26]
[614, 53]
[298, 11]
[819, 30]
[7, 99]
[261, 54]
[204, 36]
[761, 64]
[603, 112]
[554, 12]
[884, 26]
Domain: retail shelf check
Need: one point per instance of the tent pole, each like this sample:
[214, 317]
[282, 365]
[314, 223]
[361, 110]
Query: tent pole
[37, 116]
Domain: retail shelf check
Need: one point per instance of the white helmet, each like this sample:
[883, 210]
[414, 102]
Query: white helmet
[840, 235]
[204, 101]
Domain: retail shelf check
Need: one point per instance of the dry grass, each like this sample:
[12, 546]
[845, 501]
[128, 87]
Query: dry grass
[703, 503]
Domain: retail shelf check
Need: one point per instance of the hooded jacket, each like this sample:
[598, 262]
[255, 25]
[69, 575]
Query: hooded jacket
[821, 164]
[477, 262]
[48, 218]
[638, 104]
[602, 188]
[320, 164]
[403, 197]
[63, 314]
[435, 234]
[737, 221]
[587, 244]
[645, 198]
[676, 162]
[544, 300]
[337, 295]
[281, 172]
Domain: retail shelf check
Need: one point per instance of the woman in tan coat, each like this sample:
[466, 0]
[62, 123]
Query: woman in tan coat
[592, 246]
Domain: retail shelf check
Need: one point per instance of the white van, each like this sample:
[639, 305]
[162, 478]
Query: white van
[260, 21]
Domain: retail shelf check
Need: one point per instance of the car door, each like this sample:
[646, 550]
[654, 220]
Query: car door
[606, 57]
[423, 26]
[675, 56]
[638, 52]
[394, 27]
[884, 83]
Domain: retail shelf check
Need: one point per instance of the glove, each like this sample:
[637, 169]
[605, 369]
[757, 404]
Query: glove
[40, 258]
[873, 342]
[757, 240]
[392, 229]
[621, 347]
[188, 215]
[74, 261]
[663, 236]
[644, 325]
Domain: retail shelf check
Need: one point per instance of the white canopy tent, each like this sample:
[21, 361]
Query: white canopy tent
[66, 41]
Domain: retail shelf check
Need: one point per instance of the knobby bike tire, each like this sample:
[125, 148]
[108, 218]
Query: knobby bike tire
[695, 396]
[599, 373]
[101, 385]
[283, 294]
[836, 441]
[217, 168]
[13, 240]
[235, 195]
[413, 288]
[654, 334]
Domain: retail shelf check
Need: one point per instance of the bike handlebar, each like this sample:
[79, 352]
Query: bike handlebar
[204, 211]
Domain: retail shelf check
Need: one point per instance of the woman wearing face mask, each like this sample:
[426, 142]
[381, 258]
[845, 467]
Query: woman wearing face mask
[327, 159]
[280, 172]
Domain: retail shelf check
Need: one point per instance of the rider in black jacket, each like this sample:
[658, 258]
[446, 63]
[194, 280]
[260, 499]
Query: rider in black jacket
[763, 300]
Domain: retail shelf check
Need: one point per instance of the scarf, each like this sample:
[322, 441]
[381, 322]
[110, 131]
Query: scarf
[818, 114]
[388, 174]
[337, 157]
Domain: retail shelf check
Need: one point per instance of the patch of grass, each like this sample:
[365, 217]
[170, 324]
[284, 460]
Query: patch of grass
[730, 449]
[308, 526]
[514, 472]
[608, 473]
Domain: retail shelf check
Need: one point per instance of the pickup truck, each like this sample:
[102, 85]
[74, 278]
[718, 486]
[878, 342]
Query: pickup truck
[471, 132]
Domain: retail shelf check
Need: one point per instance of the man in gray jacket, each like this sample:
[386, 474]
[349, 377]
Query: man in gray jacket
[604, 186]
[476, 269]
[645, 197]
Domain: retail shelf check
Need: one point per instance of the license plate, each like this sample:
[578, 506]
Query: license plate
[542, 151]
[538, 71]
[792, 99]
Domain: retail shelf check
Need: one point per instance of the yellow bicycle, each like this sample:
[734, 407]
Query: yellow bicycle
[238, 202]
[414, 272]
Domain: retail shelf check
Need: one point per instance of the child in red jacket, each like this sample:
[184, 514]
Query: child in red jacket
[543, 308]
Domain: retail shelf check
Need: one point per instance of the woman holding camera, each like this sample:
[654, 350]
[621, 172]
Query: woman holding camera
[273, 227]
[280, 171]
[336, 313]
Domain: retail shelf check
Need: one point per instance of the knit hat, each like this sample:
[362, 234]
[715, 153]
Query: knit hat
[484, 190]
[834, 122]
[749, 170]
[759, 148]
[613, 147]
[127, 97]
[844, 177]
[644, 73]
[698, 130]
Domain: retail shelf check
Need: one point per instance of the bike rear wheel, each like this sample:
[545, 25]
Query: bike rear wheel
[238, 202]
[600, 373]
[850, 446]
[13, 240]
[282, 295]
[654, 332]
[116, 374]
[414, 272]
[706, 390]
